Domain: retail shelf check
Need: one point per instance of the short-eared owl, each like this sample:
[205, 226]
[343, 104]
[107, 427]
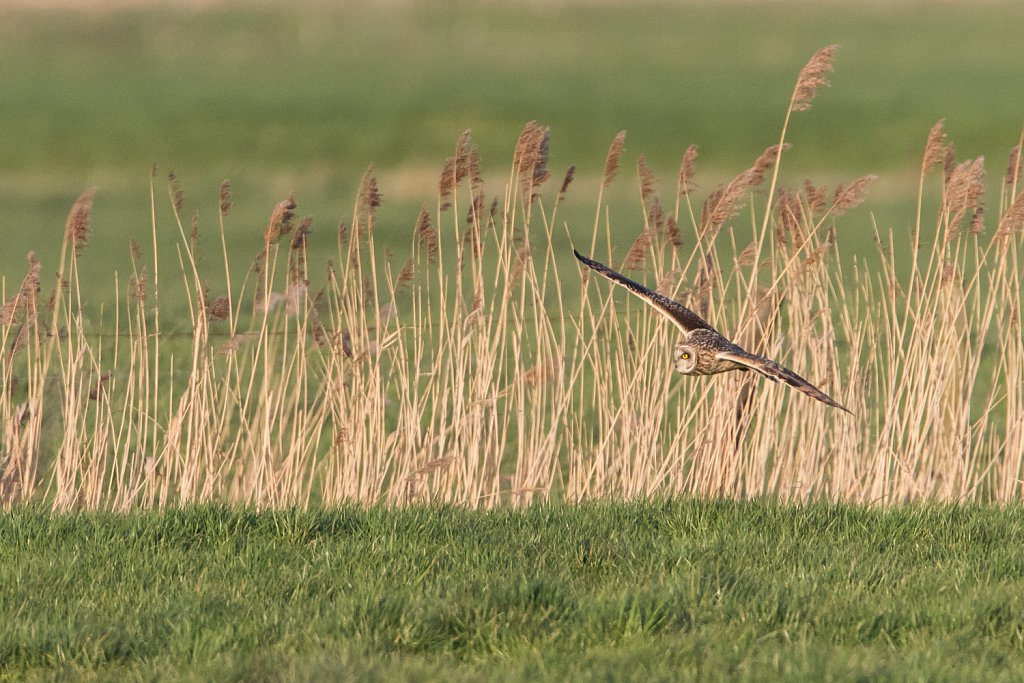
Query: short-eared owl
[702, 350]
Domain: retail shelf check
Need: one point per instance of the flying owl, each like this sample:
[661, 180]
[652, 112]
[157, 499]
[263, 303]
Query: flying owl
[703, 350]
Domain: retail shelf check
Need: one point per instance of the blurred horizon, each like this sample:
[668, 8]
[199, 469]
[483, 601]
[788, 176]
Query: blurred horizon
[305, 98]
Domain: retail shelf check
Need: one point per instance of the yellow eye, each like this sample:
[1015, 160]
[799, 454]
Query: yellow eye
[686, 355]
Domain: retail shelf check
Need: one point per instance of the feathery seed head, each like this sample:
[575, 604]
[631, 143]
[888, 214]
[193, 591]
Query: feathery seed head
[406, 275]
[765, 162]
[79, 224]
[611, 163]
[369, 199]
[687, 170]
[850, 196]
[566, 181]
[647, 178]
[813, 76]
[28, 293]
[964, 191]
[638, 251]
[177, 194]
[936, 148]
[977, 225]
[463, 147]
[1013, 167]
[531, 157]
[815, 196]
[724, 203]
[672, 232]
[225, 197]
[280, 220]
[790, 213]
[748, 256]
[1012, 221]
[446, 185]
[426, 235]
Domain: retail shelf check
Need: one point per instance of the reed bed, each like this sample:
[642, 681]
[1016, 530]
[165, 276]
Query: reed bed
[488, 370]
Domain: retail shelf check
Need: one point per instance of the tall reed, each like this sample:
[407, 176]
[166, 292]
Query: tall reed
[488, 370]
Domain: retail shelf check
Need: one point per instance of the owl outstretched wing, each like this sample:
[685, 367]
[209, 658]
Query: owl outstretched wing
[779, 373]
[680, 315]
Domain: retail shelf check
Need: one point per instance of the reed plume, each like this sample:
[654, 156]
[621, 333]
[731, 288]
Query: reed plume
[79, 224]
[369, 201]
[280, 223]
[1013, 167]
[850, 196]
[687, 171]
[24, 302]
[647, 179]
[1012, 221]
[611, 163]
[177, 193]
[446, 184]
[812, 77]
[531, 158]
[225, 198]
[815, 196]
[566, 181]
[724, 202]
[936, 147]
[769, 157]
[426, 235]
[790, 213]
[637, 253]
[964, 192]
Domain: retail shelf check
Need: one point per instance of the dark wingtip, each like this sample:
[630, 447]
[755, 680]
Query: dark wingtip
[836, 404]
[579, 257]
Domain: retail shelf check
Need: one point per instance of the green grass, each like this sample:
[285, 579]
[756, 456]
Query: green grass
[643, 591]
[305, 99]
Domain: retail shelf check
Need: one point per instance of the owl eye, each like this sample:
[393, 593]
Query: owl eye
[686, 355]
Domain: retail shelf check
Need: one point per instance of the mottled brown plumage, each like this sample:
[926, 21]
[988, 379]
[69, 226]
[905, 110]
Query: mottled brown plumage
[703, 350]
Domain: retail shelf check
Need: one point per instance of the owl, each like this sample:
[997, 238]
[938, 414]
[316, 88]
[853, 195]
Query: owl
[703, 350]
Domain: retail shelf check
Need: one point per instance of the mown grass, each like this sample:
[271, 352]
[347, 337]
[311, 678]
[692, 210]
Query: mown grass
[667, 590]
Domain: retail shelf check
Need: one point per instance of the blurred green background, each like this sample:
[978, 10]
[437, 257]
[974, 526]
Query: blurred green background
[305, 96]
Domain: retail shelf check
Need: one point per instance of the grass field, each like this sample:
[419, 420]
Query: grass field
[303, 100]
[683, 590]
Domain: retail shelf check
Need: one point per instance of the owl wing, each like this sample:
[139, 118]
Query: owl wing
[779, 373]
[680, 315]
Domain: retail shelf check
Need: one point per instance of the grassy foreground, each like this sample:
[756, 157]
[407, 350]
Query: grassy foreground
[642, 591]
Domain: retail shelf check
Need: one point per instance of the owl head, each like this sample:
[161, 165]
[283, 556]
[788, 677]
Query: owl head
[685, 358]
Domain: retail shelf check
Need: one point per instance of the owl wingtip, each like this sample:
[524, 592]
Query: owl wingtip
[836, 404]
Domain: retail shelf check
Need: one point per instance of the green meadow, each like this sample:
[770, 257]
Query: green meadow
[658, 591]
[305, 99]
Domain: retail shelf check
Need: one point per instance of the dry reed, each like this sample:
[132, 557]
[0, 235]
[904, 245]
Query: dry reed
[463, 377]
